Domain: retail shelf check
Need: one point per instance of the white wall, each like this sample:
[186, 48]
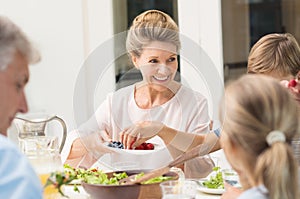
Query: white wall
[201, 22]
[57, 29]
[66, 32]
[98, 30]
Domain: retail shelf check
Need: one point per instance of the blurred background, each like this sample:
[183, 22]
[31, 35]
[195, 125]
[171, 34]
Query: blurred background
[67, 32]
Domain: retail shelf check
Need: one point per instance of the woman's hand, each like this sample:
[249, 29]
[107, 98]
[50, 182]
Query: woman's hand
[139, 133]
[88, 148]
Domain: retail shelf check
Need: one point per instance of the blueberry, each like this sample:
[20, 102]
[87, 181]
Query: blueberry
[116, 144]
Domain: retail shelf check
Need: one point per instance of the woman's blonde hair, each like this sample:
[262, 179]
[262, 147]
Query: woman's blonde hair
[151, 25]
[254, 106]
[275, 53]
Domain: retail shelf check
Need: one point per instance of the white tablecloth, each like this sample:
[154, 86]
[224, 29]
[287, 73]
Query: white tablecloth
[69, 191]
[83, 195]
[201, 195]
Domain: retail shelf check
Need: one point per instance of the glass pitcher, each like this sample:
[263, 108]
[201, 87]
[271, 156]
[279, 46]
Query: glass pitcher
[35, 125]
[42, 152]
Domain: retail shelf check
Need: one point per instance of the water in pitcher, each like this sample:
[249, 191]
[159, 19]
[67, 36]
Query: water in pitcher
[42, 152]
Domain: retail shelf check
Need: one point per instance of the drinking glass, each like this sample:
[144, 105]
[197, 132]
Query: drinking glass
[179, 189]
[231, 177]
[296, 148]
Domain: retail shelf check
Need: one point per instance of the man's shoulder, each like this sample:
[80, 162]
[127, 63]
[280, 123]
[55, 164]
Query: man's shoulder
[9, 151]
[18, 179]
[7, 145]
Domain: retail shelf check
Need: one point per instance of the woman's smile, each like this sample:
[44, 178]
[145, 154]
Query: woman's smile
[161, 78]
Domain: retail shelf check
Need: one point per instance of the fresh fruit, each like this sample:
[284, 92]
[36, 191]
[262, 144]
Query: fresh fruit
[116, 144]
[145, 146]
[140, 147]
[292, 83]
[149, 146]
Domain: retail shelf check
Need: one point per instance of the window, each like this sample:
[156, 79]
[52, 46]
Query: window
[126, 74]
[245, 21]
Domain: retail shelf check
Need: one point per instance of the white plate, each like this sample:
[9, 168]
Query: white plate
[204, 189]
[76, 181]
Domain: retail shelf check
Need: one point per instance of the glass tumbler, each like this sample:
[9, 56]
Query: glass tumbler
[231, 177]
[179, 189]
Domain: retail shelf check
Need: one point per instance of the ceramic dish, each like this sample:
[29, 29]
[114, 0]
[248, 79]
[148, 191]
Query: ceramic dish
[204, 189]
[77, 182]
[135, 191]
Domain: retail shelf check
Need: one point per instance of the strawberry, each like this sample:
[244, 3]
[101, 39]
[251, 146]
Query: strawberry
[140, 147]
[149, 146]
[145, 146]
[292, 83]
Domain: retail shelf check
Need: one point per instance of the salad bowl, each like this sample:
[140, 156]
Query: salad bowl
[133, 191]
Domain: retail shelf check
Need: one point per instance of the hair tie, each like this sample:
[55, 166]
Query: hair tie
[275, 136]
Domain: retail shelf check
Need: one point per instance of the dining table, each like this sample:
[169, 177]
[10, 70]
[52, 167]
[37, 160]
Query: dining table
[69, 191]
[201, 195]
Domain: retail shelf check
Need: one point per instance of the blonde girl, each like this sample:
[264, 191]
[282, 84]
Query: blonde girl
[258, 127]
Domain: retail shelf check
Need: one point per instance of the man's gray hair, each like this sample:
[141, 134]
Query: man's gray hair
[12, 40]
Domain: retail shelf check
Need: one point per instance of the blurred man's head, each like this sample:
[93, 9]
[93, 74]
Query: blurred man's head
[16, 53]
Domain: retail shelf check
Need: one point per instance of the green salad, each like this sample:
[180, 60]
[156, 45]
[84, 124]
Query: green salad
[95, 176]
[215, 181]
[154, 180]
[92, 176]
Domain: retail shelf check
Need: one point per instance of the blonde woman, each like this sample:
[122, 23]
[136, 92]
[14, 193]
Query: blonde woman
[258, 127]
[153, 45]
